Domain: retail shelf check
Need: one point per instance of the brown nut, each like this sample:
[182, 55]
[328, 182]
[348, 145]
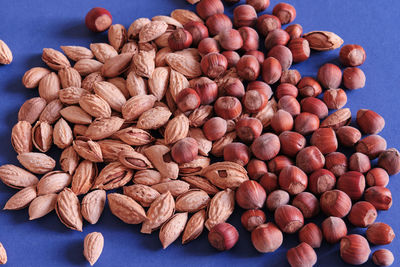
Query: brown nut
[257, 54]
[290, 104]
[291, 76]
[208, 45]
[278, 163]
[266, 146]
[180, 39]
[215, 128]
[244, 15]
[198, 31]
[248, 129]
[276, 199]
[250, 39]
[248, 68]
[187, 100]
[352, 55]
[362, 214]
[309, 87]
[283, 55]
[256, 169]
[266, 238]
[379, 196]
[311, 234]
[291, 143]
[369, 121]
[330, 76]
[294, 30]
[251, 219]
[207, 8]
[259, 5]
[223, 236]
[359, 162]
[269, 182]
[325, 140]
[372, 146]
[218, 23]
[306, 123]
[289, 219]
[302, 255]
[233, 87]
[310, 159]
[335, 98]
[390, 161]
[348, 136]
[380, 233]
[232, 57]
[282, 121]
[334, 229]
[383, 257]
[321, 181]
[377, 177]
[315, 106]
[271, 70]
[354, 249]
[206, 89]
[276, 37]
[213, 64]
[353, 78]
[286, 89]
[335, 203]
[267, 23]
[352, 183]
[228, 107]
[250, 195]
[293, 180]
[336, 162]
[285, 12]
[300, 49]
[230, 39]
[307, 203]
[185, 150]
[237, 152]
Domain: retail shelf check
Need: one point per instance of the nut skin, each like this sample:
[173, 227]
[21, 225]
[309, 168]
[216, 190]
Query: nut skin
[336, 162]
[293, 180]
[185, 150]
[207, 8]
[250, 39]
[325, 140]
[390, 161]
[300, 49]
[261, 87]
[301, 255]
[321, 181]
[315, 106]
[266, 238]
[206, 89]
[248, 68]
[310, 159]
[251, 219]
[286, 13]
[283, 55]
[233, 87]
[228, 107]
[259, 5]
[266, 146]
[330, 76]
[353, 78]
[307, 203]
[282, 121]
[215, 128]
[352, 55]
[237, 152]
[362, 214]
[188, 100]
[311, 234]
[267, 23]
[250, 195]
[306, 123]
[333, 229]
[198, 31]
[269, 182]
[294, 31]
[354, 249]
[335, 203]
[352, 183]
[377, 177]
[278, 163]
[256, 169]
[309, 87]
[232, 57]
[223, 236]
[230, 39]
[213, 64]
[276, 199]
[372, 146]
[380, 233]
[379, 196]
[208, 45]
[258, 54]
[369, 121]
[244, 15]
[218, 23]
[248, 129]
[348, 136]
[289, 219]
[276, 37]
[383, 257]
[271, 70]
[291, 143]
[286, 89]
[98, 19]
[359, 162]
[180, 39]
[290, 104]
[335, 98]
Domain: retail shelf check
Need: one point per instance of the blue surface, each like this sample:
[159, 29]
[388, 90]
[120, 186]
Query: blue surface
[27, 26]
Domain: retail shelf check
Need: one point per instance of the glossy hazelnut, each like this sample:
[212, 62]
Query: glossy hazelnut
[315, 106]
[218, 23]
[256, 169]
[276, 37]
[330, 76]
[352, 55]
[379, 196]
[294, 31]
[372, 146]
[208, 45]
[198, 31]
[180, 39]
[380, 233]
[206, 89]
[335, 98]
[377, 177]
[250, 195]
[333, 229]
[335, 203]
[266, 238]
[250, 39]
[187, 100]
[259, 5]
[336, 162]
[215, 128]
[291, 105]
[255, 100]
[325, 140]
[276, 199]
[383, 257]
[293, 180]
[285, 12]
[353, 78]
[291, 76]
[276, 164]
[232, 57]
[348, 136]
[321, 181]
[271, 70]
[311, 234]
[306, 123]
[244, 15]
[233, 87]
[269, 182]
[260, 86]
[266, 146]
[257, 54]
[286, 89]
[309, 87]
[223, 236]
[369, 121]
[302, 255]
[267, 23]
[98, 19]
[251, 219]
[282, 121]
[185, 150]
[213, 65]
[354, 249]
[352, 183]
[291, 143]
[310, 159]
[283, 55]
[230, 39]
[207, 8]
[390, 161]
[359, 162]
[248, 129]
[289, 219]
[362, 214]
[248, 68]
[307, 203]
[237, 152]
[300, 49]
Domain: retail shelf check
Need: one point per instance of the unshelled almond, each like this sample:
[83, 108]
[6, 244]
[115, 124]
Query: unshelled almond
[160, 210]
[3, 254]
[53, 182]
[92, 205]
[55, 59]
[69, 77]
[68, 210]
[42, 136]
[21, 199]
[6, 56]
[42, 205]
[51, 113]
[172, 229]
[126, 209]
[21, 137]
[33, 76]
[194, 226]
[93, 246]
[112, 176]
[62, 134]
[36, 162]
[77, 53]
[49, 86]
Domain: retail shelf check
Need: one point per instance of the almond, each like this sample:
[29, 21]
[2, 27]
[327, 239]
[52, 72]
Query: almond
[69, 160]
[147, 177]
[62, 134]
[54, 59]
[136, 26]
[194, 226]
[77, 53]
[219, 145]
[36, 162]
[192, 201]
[154, 118]
[31, 109]
[42, 205]
[152, 31]
[72, 95]
[136, 105]
[95, 106]
[83, 178]
[177, 82]
[175, 187]
[3, 254]
[143, 194]
[184, 16]
[323, 40]
[172, 229]
[120, 83]
[21, 137]
[33, 76]
[116, 65]
[135, 84]
[53, 182]
[6, 56]
[111, 149]
[49, 86]
[220, 208]
[134, 136]
[21, 199]
[102, 128]
[184, 65]
[42, 136]
[200, 115]
[112, 176]
[158, 82]
[68, 210]
[225, 174]
[160, 211]
[195, 166]
[87, 66]
[160, 56]
[117, 36]
[103, 51]
[92, 205]
[93, 246]
[204, 144]
[91, 79]
[16, 177]
[134, 160]
[75, 114]
[144, 63]
[169, 20]
[111, 94]
[156, 154]
[126, 209]
[337, 119]
[201, 183]
[69, 77]
[51, 113]
[177, 129]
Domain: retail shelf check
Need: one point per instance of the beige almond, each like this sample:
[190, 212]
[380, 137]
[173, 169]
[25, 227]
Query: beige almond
[93, 247]
[95, 106]
[126, 209]
[134, 136]
[42, 136]
[103, 51]
[192, 53]
[21, 199]
[156, 155]
[77, 53]
[102, 128]
[323, 40]
[36, 162]
[87, 66]
[117, 36]
[136, 105]
[42, 205]
[3, 254]
[112, 176]
[192, 201]
[144, 63]
[134, 160]
[31, 109]
[160, 56]
[54, 59]
[33, 76]
[154, 118]
[143, 194]
[220, 208]
[79, 130]
[17, 177]
[69, 160]
[135, 84]
[136, 27]
[62, 134]
[172, 229]
[51, 113]
[169, 20]
[194, 226]
[49, 86]
[53, 182]
[177, 82]
[68, 210]
[204, 144]
[200, 115]
[92, 205]
[225, 174]
[201, 183]
[158, 82]
[176, 129]
[84, 177]
[160, 211]
[337, 119]
[152, 31]
[75, 114]
[6, 56]
[91, 79]
[219, 145]
[147, 177]
[110, 93]
[120, 83]
[195, 166]
[117, 65]
[21, 137]
[87, 149]
[184, 65]
[69, 77]
[72, 95]
[162, 41]
[175, 187]
[111, 148]
[184, 16]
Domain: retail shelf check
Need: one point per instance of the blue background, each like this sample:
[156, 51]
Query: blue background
[27, 26]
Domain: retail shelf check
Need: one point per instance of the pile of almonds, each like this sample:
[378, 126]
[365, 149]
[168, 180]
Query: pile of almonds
[156, 103]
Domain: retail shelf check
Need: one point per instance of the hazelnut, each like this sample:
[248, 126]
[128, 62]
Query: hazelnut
[294, 31]
[271, 70]
[223, 236]
[232, 57]
[283, 55]
[255, 100]
[330, 76]
[336, 162]
[309, 87]
[98, 19]
[302, 255]
[390, 161]
[359, 162]
[335, 98]
[257, 54]
[207, 8]
[248, 68]
[333, 229]
[293, 180]
[266, 238]
[290, 104]
[362, 214]
[321, 181]
[307, 203]
[315, 106]
[379, 196]
[250, 39]
[285, 12]
[300, 49]
[335, 203]
[230, 39]
[306, 123]
[206, 89]
[266, 146]
[208, 45]
[215, 128]
[187, 100]
[228, 107]
[218, 23]
[286, 89]
[291, 76]
[259, 5]
[325, 140]
[369, 121]
[237, 152]
[244, 15]
[352, 183]
[310, 159]
[213, 64]
[282, 121]
[185, 150]
[248, 129]
[348, 136]
[377, 177]
[276, 37]
[352, 55]
[380, 233]
[262, 87]
[180, 39]
[372, 146]
[353, 78]
[354, 249]
[276, 199]
[252, 218]
[289, 218]
[291, 143]
[250, 195]
[276, 164]
[311, 234]
[269, 182]
[383, 257]
[198, 31]
[233, 87]
[256, 169]
[337, 119]
[267, 23]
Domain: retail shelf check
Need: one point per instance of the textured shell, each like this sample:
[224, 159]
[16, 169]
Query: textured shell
[192, 201]
[87, 66]
[69, 77]
[69, 160]
[183, 64]
[171, 229]
[147, 177]
[111, 148]
[201, 183]
[110, 93]
[160, 211]
[42, 136]
[77, 52]
[112, 176]
[93, 246]
[88, 149]
[323, 40]
[136, 105]
[72, 95]
[126, 209]
[3, 254]
[83, 178]
[21, 137]
[62, 134]
[144, 194]
[116, 65]
[53, 182]
[103, 51]
[42, 205]
[266, 114]
[175, 187]
[135, 84]
[177, 82]
[49, 86]
[21, 199]
[95, 106]
[37, 162]
[337, 119]
[225, 174]
[51, 113]
[177, 129]
[195, 166]
[31, 109]
[68, 210]
[144, 63]
[220, 208]
[154, 118]
[117, 36]
[219, 145]
[194, 226]
[103, 127]
[134, 136]
[33, 76]
[76, 115]
[200, 115]
[17, 177]
[158, 82]
[134, 160]
[156, 155]
[6, 56]
[136, 26]
[91, 79]
[152, 31]
[184, 16]
[92, 205]
[55, 59]
[204, 144]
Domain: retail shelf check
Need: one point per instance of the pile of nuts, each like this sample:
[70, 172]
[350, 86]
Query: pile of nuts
[163, 96]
